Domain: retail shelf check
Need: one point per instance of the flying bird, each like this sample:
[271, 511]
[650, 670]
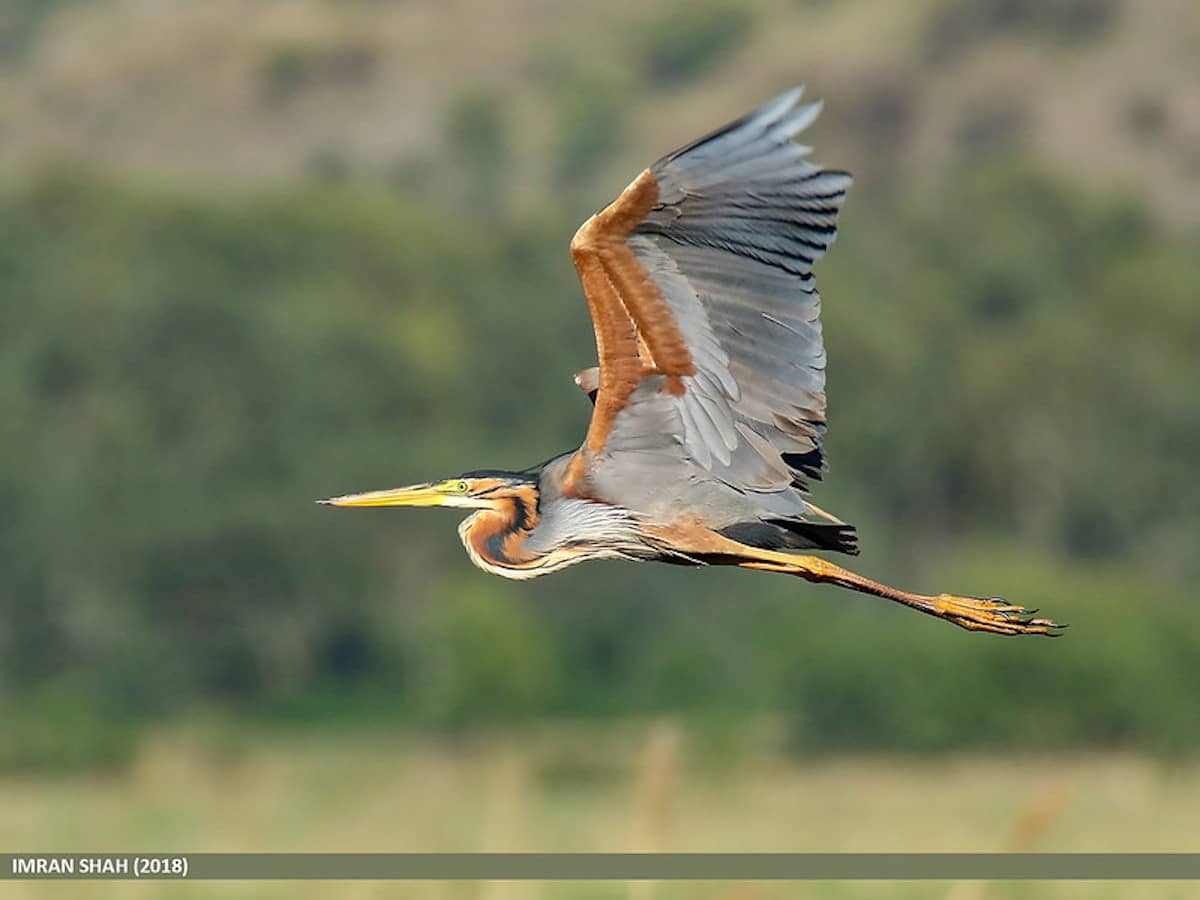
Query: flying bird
[709, 397]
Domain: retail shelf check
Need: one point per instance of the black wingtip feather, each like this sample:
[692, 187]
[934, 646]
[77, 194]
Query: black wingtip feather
[811, 463]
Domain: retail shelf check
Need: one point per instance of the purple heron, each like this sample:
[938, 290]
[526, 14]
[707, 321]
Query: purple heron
[709, 400]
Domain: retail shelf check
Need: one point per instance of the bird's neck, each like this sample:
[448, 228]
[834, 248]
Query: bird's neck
[495, 538]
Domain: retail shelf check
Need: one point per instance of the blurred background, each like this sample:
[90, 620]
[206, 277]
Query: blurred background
[253, 254]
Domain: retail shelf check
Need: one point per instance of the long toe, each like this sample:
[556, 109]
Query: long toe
[993, 614]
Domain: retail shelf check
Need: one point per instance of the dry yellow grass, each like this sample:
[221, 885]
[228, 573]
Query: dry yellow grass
[583, 789]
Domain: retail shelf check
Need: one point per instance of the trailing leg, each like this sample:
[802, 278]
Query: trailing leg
[973, 613]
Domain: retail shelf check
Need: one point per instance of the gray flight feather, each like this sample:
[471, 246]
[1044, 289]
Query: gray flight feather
[741, 216]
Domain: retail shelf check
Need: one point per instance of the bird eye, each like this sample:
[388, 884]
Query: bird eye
[462, 487]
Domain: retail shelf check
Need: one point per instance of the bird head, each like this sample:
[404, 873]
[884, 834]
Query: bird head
[474, 490]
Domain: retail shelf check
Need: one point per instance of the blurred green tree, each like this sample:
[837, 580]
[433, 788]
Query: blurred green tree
[181, 374]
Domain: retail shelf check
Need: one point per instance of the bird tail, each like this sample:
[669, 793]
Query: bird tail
[840, 537]
[795, 534]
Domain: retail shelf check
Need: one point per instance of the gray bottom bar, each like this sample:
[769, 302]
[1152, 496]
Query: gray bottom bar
[604, 866]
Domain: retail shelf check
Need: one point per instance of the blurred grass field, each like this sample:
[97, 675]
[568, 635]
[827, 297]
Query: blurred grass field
[635, 786]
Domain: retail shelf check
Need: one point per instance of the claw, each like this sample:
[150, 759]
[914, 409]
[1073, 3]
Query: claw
[993, 614]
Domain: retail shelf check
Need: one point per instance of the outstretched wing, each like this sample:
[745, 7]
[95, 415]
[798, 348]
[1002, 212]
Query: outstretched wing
[700, 276]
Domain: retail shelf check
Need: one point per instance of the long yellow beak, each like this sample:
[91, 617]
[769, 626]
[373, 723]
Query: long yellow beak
[415, 495]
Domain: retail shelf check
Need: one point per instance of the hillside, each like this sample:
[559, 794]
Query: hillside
[236, 92]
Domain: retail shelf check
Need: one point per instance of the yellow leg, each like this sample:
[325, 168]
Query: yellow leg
[973, 613]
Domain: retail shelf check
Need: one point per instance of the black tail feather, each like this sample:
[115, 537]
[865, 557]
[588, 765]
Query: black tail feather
[795, 534]
[838, 537]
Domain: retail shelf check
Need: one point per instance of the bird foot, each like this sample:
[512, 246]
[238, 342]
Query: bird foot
[992, 614]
